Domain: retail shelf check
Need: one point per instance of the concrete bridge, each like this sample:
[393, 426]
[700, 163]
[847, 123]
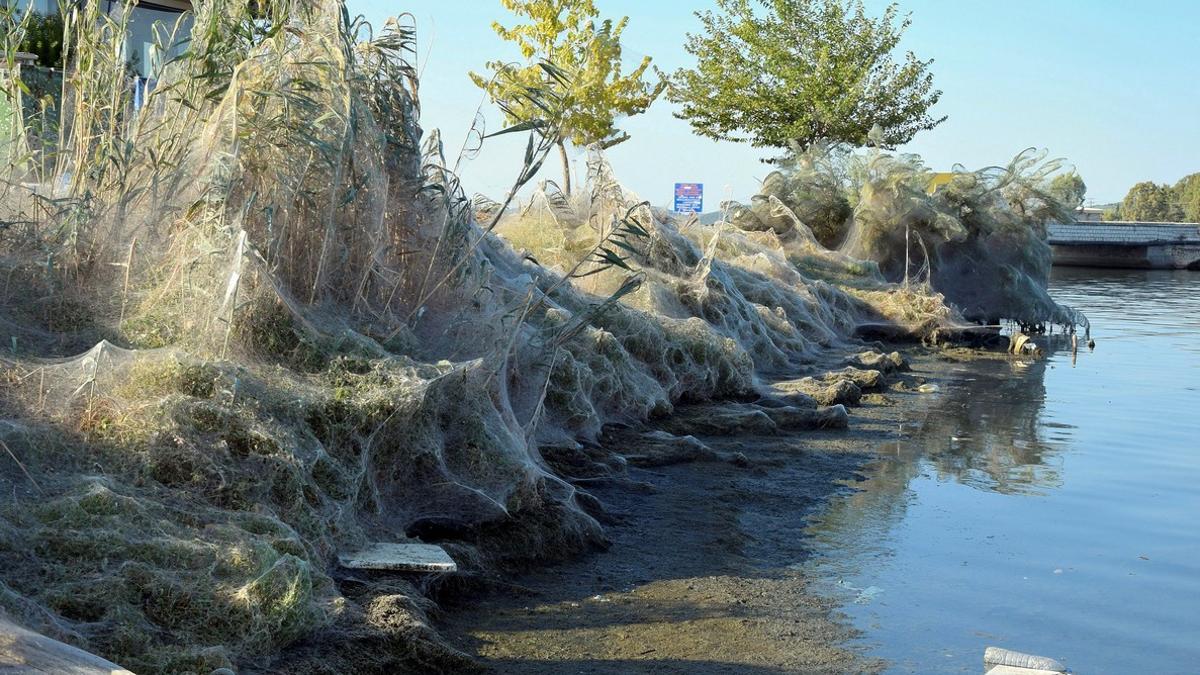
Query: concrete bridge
[1126, 245]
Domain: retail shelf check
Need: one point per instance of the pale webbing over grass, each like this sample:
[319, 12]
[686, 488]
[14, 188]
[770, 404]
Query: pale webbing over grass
[257, 322]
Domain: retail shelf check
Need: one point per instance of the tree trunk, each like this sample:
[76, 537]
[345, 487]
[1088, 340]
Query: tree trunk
[562, 152]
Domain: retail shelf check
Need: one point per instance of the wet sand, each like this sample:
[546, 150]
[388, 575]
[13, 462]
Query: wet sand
[701, 575]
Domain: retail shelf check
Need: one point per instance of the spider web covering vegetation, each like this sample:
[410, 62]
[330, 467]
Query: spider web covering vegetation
[258, 322]
[979, 239]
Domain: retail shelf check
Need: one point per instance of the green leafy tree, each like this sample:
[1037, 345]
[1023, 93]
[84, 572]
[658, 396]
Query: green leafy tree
[1187, 197]
[783, 72]
[1069, 189]
[43, 38]
[1149, 202]
[594, 92]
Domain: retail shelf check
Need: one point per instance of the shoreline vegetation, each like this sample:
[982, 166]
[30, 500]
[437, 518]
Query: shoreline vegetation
[259, 322]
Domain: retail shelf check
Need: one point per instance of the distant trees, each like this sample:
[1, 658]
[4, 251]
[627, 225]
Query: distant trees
[786, 73]
[586, 74]
[1187, 196]
[1149, 201]
[1069, 189]
[1152, 202]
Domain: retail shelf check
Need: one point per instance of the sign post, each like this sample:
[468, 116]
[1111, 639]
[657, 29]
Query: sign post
[689, 197]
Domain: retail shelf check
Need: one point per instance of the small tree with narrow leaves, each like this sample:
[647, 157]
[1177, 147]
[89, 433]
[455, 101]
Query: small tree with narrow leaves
[778, 73]
[596, 94]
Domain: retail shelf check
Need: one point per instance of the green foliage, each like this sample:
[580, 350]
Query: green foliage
[594, 92]
[1150, 202]
[798, 71]
[1069, 189]
[1187, 197]
[44, 37]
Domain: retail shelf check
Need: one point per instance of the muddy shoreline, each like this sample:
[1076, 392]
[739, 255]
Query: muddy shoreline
[701, 575]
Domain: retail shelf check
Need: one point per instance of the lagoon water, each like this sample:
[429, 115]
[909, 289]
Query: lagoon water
[1049, 507]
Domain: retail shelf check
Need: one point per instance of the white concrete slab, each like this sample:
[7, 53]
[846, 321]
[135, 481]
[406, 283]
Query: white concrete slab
[24, 651]
[399, 558]
[1019, 663]
[1014, 670]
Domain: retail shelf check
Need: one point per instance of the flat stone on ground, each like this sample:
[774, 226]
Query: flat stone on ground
[24, 651]
[399, 558]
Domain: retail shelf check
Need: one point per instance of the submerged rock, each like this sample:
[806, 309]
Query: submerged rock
[885, 363]
[844, 387]
[803, 419]
[867, 380]
[824, 392]
[723, 419]
[780, 398]
[659, 448]
[729, 419]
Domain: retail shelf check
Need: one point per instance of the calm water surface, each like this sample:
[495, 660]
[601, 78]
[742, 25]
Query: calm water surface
[1046, 507]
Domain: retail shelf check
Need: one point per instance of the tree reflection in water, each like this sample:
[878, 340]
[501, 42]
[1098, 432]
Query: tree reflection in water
[989, 432]
[986, 431]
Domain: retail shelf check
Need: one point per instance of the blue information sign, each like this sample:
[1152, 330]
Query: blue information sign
[689, 197]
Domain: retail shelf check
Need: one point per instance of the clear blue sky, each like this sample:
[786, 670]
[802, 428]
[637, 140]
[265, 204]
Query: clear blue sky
[1111, 85]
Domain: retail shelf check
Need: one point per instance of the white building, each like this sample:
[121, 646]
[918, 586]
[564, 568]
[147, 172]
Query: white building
[147, 14]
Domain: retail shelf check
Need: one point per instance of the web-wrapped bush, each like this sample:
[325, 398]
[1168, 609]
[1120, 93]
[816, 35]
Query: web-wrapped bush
[978, 240]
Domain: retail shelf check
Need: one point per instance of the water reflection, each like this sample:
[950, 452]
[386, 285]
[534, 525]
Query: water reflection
[989, 433]
[1042, 505]
[986, 430]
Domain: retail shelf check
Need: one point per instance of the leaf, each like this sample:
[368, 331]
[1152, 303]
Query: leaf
[556, 73]
[528, 125]
[635, 228]
[625, 246]
[608, 256]
[194, 209]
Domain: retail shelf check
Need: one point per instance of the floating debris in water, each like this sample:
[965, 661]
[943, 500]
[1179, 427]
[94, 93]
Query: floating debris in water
[998, 661]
